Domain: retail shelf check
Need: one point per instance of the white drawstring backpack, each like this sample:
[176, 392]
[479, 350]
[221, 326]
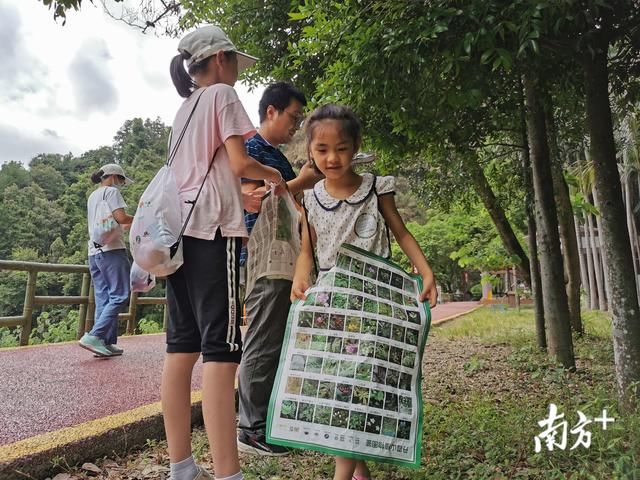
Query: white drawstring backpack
[156, 232]
[105, 229]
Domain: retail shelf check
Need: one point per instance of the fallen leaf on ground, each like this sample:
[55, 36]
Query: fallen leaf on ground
[90, 467]
[62, 476]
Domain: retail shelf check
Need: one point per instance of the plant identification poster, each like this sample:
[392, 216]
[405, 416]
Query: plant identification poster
[349, 380]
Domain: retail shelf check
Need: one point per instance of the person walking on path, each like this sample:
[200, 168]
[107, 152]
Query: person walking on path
[350, 208]
[108, 264]
[281, 113]
[202, 295]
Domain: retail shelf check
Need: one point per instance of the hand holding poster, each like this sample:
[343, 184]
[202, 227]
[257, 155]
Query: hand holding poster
[350, 369]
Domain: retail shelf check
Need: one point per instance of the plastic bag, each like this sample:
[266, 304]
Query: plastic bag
[105, 229]
[156, 226]
[141, 281]
[274, 243]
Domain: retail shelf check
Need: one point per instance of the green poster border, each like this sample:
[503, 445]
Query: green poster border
[338, 452]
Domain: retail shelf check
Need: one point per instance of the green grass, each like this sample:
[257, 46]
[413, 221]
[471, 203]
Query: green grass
[491, 435]
[495, 326]
[486, 439]
[491, 326]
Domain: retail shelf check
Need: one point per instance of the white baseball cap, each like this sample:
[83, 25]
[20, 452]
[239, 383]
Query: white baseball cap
[206, 41]
[115, 169]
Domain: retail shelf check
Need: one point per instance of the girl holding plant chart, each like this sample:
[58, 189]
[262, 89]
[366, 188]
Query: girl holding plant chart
[349, 208]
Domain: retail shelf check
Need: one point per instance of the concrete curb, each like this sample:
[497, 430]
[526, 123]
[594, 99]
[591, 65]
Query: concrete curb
[117, 434]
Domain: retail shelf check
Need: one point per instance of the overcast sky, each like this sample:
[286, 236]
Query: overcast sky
[69, 88]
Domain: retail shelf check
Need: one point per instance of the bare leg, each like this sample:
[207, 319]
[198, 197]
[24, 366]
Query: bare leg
[344, 468]
[218, 409]
[362, 471]
[175, 393]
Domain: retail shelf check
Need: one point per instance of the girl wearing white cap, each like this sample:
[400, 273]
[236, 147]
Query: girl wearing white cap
[204, 309]
[108, 262]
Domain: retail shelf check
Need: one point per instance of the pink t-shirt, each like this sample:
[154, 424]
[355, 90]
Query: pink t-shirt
[218, 116]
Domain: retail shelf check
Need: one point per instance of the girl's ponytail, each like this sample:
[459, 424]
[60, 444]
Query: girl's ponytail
[180, 78]
[96, 177]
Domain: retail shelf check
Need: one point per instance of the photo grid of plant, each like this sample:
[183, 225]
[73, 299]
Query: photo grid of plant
[353, 356]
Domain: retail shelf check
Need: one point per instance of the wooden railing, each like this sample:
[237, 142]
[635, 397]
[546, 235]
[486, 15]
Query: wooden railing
[85, 299]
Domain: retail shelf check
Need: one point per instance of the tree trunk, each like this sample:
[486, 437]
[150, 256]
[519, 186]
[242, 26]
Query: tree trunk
[565, 220]
[624, 299]
[536, 283]
[597, 265]
[602, 252]
[571, 256]
[516, 292]
[509, 239]
[627, 188]
[593, 289]
[636, 243]
[555, 303]
[584, 273]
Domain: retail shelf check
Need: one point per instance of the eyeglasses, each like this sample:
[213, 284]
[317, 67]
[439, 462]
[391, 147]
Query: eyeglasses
[297, 118]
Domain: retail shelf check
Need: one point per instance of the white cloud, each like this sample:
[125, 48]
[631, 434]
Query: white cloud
[69, 88]
[19, 144]
[92, 80]
[20, 73]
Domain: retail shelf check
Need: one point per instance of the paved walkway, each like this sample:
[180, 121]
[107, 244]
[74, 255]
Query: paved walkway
[448, 311]
[51, 387]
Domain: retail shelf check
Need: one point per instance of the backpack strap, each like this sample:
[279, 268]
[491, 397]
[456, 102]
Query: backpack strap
[172, 154]
[375, 190]
[313, 250]
[173, 249]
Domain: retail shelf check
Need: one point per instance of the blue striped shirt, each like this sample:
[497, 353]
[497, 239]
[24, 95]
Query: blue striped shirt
[267, 154]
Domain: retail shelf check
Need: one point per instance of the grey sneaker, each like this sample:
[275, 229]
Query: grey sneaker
[202, 474]
[114, 349]
[95, 345]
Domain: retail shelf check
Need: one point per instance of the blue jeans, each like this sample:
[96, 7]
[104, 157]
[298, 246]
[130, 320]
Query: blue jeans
[110, 275]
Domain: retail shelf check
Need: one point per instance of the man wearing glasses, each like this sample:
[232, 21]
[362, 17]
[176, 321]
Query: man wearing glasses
[281, 115]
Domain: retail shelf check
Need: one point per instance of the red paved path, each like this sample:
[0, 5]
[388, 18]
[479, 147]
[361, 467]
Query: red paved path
[49, 387]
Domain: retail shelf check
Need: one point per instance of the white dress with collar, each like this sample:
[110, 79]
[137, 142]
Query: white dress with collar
[355, 220]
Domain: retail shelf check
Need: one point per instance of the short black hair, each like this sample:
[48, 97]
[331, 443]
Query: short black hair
[280, 95]
[351, 124]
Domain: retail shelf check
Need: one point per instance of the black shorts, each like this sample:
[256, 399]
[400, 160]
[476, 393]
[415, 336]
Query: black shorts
[204, 306]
